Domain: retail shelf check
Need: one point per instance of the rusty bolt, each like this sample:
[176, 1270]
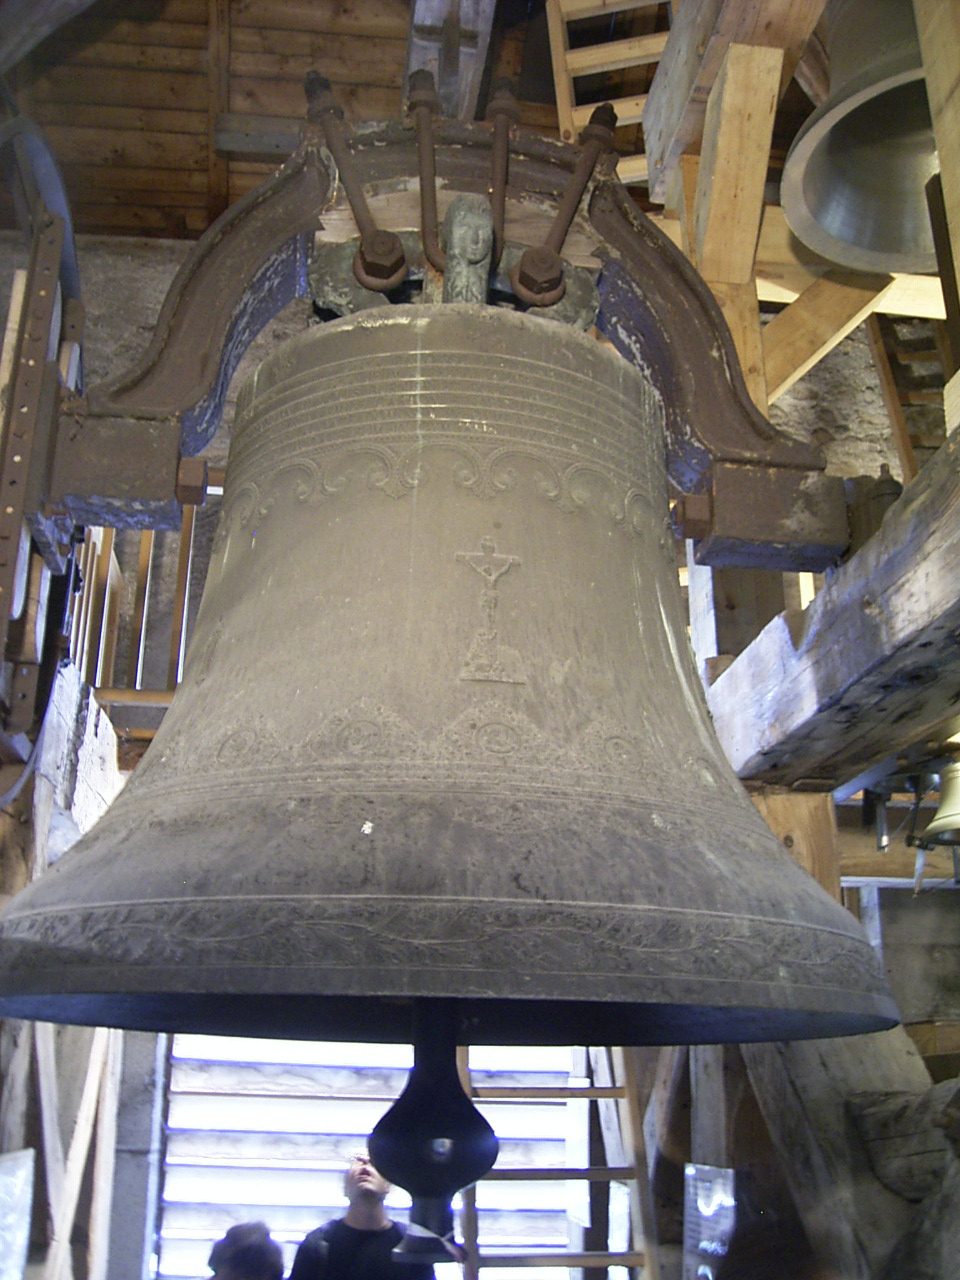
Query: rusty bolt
[540, 271]
[381, 254]
[191, 486]
[503, 101]
[422, 91]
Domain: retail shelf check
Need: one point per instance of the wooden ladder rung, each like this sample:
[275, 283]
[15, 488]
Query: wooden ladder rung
[633, 170]
[636, 51]
[490, 1260]
[574, 10]
[629, 110]
[592, 1173]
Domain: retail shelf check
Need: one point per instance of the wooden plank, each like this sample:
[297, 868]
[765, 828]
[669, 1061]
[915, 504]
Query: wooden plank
[785, 268]
[938, 29]
[635, 51]
[629, 112]
[632, 170]
[575, 10]
[691, 61]
[738, 126]
[342, 59]
[371, 18]
[802, 334]
[57, 1265]
[181, 90]
[871, 665]
[563, 85]
[104, 1160]
[738, 302]
[171, 222]
[142, 119]
[48, 1088]
[123, 56]
[805, 824]
[286, 98]
[103, 179]
[218, 95]
[934, 1039]
[891, 400]
[635, 1069]
[89, 28]
[636, 1258]
[717, 1086]
[118, 146]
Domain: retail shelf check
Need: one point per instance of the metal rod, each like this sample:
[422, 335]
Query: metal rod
[380, 263]
[424, 103]
[537, 278]
[504, 112]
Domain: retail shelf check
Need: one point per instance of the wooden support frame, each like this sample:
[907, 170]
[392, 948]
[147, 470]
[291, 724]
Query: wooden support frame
[870, 666]
[805, 331]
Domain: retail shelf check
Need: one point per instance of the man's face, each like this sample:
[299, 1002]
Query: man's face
[362, 1180]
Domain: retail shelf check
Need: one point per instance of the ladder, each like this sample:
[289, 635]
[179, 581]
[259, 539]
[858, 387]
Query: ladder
[622, 1091]
[611, 55]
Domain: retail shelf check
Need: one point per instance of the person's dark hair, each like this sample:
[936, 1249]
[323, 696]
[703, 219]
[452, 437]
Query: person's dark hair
[247, 1252]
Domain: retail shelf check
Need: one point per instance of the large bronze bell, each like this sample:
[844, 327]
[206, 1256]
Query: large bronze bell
[440, 735]
[854, 179]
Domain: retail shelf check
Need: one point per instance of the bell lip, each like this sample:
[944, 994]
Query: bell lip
[900, 71]
[494, 1020]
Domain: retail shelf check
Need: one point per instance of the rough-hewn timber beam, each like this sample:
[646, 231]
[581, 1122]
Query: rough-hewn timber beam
[871, 665]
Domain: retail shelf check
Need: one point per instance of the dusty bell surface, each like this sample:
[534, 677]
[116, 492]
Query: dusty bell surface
[440, 735]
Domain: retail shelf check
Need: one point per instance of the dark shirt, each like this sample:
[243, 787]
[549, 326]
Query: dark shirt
[338, 1252]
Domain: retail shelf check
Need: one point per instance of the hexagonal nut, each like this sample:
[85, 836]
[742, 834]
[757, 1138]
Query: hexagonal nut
[381, 254]
[540, 270]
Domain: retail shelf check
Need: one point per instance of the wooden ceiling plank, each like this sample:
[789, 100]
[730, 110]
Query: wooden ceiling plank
[218, 96]
[96, 115]
[128, 178]
[89, 28]
[860, 674]
[123, 88]
[738, 126]
[379, 62]
[574, 10]
[371, 18]
[119, 146]
[285, 98]
[691, 62]
[802, 334]
[108, 53]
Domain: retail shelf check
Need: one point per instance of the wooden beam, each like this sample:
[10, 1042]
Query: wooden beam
[871, 665]
[938, 28]
[785, 268]
[218, 100]
[738, 126]
[850, 1218]
[691, 61]
[806, 826]
[891, 399]
[823, 315]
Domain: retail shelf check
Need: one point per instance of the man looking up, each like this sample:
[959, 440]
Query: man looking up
[358, 1245]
